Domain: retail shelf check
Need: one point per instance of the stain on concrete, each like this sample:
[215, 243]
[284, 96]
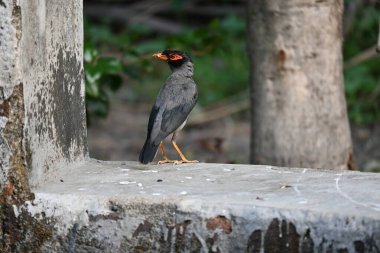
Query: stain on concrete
[2, 4]
[13, 135]
[307, 245]
[210, 242]
[281, 237]
[254, 242]
[71, 238]
[110, 216]
[221, 222]
[196, 245]
[143, 227]
[293, 238]
[359, 247]
[69, 108]
[272, 243]
[58, 110]
[4, 107]
[166, 236]
[330, 248]
[180, 236]
[20, 232]
[16, 19]
[28, 152]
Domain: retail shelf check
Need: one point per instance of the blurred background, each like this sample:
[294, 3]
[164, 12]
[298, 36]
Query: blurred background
[122, 79]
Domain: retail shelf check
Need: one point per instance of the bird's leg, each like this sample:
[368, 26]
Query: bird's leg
[166, 160]
[183, 158]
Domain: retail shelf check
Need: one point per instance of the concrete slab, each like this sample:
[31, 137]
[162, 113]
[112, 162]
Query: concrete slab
[128, 207]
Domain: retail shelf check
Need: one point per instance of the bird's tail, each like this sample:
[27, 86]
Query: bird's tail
[148, 152]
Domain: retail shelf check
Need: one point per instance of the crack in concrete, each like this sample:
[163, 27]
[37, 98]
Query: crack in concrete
[344, 195]
[298, 191]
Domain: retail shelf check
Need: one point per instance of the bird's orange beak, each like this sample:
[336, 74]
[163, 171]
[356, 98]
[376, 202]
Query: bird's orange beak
[160, 56]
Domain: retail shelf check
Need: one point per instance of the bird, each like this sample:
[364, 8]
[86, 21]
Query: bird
[174, 102]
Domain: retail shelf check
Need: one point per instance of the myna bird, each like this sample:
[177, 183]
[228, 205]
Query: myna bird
[173, 104]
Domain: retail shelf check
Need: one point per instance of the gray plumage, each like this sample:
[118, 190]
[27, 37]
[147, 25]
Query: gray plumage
[176, 98]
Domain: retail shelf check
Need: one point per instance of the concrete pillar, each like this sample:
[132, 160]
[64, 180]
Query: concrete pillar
[42, 120]
[42, 110]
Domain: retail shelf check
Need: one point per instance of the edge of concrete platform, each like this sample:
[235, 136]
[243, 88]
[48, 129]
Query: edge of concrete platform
[128, 207]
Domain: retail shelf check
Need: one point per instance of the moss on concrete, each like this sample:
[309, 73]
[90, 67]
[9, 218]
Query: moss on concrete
[19, 231]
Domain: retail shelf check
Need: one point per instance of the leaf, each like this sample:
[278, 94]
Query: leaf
[111, 81]
[90, 53]
[109, 65]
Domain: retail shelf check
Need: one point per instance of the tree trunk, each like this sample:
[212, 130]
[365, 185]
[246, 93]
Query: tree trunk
[299, 115]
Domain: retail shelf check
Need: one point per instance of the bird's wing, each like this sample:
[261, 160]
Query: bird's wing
[172, 108]
[154, 123]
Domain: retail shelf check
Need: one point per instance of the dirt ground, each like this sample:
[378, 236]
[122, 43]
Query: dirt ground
[121, 135]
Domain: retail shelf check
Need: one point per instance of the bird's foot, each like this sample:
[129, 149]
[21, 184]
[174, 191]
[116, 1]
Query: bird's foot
[166, 161]
[185, 161]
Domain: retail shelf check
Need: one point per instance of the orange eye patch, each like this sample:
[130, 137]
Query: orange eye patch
[174, 57]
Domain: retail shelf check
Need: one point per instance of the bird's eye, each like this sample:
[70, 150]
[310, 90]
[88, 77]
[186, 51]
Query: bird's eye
[175, 57]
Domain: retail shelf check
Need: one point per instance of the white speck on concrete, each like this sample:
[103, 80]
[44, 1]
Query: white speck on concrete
[156, 194]
[106, 182]
[183, 193]
[127, 182]
[139, 185]
[82, 189]
[15, 210]
[188, 177]
[150, 171]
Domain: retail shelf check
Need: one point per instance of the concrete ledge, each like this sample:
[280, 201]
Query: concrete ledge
[127, 207]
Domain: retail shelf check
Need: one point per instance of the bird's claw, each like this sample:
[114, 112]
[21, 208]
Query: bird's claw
[184, 161]
[166, 161]
[177, 162]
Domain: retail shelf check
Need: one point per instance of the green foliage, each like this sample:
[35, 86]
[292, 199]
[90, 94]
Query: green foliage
[218, 52]
[221, 65]
[363, 92]
[362, 82]
[102, 77]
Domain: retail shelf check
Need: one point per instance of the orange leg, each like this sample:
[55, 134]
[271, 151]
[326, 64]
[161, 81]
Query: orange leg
[166, 160]
[183, 158]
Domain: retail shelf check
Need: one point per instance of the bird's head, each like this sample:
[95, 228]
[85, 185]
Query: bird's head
[174, 58]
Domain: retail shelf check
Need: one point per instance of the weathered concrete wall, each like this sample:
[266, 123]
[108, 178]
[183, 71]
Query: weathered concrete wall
[127, 207]
[41, 67]
[52, 69]
[42, 112]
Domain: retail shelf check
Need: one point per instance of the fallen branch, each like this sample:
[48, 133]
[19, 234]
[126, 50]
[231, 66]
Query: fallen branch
[219, 112]
[366, 55]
